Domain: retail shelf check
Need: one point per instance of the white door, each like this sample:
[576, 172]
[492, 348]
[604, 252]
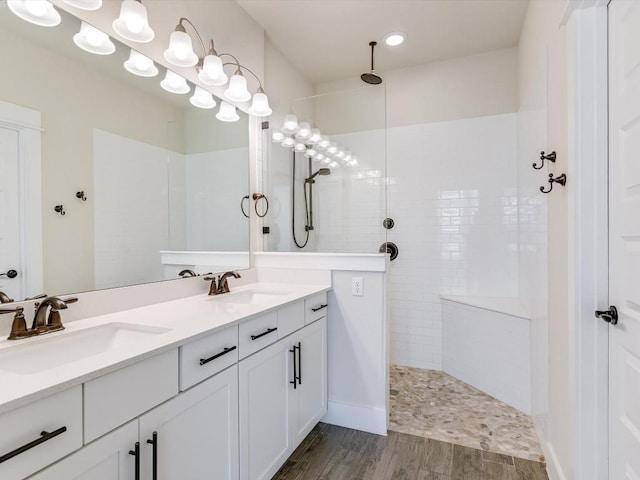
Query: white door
[624, 256]
[309, 399]
[104, 459]
[9, 215]
[265, 442]
[196, 432]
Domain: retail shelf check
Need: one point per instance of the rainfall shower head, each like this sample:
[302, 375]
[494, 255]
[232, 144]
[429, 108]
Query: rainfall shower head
[371, 77]
[322, 171]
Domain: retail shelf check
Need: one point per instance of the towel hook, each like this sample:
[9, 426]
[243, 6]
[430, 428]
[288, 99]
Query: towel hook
[60, 209]
[551, 157]
[562, 180]
[80, 195]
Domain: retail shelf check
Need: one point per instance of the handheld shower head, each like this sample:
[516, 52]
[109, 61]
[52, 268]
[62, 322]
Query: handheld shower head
[322, 171]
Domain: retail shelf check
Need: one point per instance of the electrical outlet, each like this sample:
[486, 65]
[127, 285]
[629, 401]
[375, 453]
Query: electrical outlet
[357, 287]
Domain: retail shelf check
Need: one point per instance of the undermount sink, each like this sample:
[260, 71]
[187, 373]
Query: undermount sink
[251, 297]
[47, 353]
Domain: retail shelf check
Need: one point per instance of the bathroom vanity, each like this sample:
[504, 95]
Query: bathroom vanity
[222, 387]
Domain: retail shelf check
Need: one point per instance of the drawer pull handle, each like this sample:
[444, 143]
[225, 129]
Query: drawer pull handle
[315, 309]
[267, 332]
[204, 361]
[44, 436]
[295, 367]
[136, 454]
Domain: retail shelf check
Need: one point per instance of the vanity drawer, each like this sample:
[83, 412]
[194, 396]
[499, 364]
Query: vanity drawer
[60, 415]
[207, 356]
[315, 307]
[115, 398]
[290, 318]
[257, 333]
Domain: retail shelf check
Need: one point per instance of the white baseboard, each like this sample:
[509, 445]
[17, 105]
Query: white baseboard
[554, 470]
[358, 417]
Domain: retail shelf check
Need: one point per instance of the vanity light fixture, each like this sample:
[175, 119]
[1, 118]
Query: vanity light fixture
[353, 162]
[394, 39]
[227, 113]
[277, 137]
[304, 131]
[324, 143]
[300, 147]
[334, 164]
[237, 90]
[180, 52]
[260, 104]
[174, 83]
[85, 4]
[38, 12]
[332, 149]
[319, 157]
[310, 153]
[133, 22]
[202, 99]
[315, 136]
[92, 40]
[288, 142]
[290, 124]
[140, 65]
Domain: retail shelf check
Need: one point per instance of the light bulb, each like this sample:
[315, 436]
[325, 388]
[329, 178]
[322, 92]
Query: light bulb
[133, 22]
[180, 52]
[324, 143]
[288, 142]
[140, 65]
[290, 124]
[326, 161]
[85, 4]
[260, 105]
[277, 137]
[227, 113]
[311, 153]
[333, 149]
[315, 136]
[334, 165]
[319, 157]
[300, 147]
[340, 155]
[237, 90]
[212, 72]
[202, 99]
[347, 157]
[93, 40]
[353, 162]
[174, 83]
[38, 12]
[304, 131]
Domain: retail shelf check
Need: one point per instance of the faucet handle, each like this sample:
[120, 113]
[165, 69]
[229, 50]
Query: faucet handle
[69, 300]
[19, 325]
[4, 298]
[213, 289]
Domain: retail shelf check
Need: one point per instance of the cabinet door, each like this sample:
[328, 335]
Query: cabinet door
[309, 399]
[196, 432]
[265, 441]
[105, 459]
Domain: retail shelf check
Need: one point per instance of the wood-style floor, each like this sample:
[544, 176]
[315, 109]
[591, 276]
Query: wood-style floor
[336, 453]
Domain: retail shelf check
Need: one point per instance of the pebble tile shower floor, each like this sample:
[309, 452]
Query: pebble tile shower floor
[432, 404]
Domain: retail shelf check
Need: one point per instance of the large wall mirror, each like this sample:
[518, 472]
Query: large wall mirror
[161, 180]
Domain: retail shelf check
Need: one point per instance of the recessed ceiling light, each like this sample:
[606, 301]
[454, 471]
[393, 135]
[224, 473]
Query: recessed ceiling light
[394, 39]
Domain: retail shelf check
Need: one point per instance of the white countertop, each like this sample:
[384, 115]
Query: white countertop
[186, 319]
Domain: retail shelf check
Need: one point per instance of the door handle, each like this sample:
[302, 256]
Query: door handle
[609, 316]
[294, 382]
[9, 273]
[154, 442]
[136, 454]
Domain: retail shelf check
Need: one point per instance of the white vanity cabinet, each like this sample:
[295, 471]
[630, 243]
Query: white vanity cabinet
[283, 394]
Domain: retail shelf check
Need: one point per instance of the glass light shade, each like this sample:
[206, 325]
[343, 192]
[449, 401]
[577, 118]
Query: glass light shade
[310, 153]
[174, 83]
[133, 22]
[326, 161]
[180, 52]
[290, 124]
[333, 149]
[315, 136]
[334, 165]
[304, 131]
[237, 90]
[140, 65]
[260, 105]
[212, 72]
[227, 113]
[300, 147]
[324, 143]
[38, 12]
[277, 137]
[347, 157]
[85, 4]
[92, 40]
[340, 154]
[319, 157]
[353, 162]
[288, 142]
[202, 99]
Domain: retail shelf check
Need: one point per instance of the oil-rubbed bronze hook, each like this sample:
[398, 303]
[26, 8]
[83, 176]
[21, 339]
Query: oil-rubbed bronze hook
[562, 180]
[551, 157]
[81, 196]
[60, 209]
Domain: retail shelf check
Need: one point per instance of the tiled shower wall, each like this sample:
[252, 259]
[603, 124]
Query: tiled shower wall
[453, 196]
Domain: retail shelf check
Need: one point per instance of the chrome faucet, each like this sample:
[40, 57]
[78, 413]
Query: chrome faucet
[222, 285]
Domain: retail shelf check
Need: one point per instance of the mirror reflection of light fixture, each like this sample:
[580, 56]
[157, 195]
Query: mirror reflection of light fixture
[92, 40]
[180, 52]
[304, 131]
[290, 124]
[315, 136]
[277, 137]
[227, 113]
[38, 12]
[174, 83]
[288, 142]
[202, 99]
[85, 4]
[140, 65]
[133, 22]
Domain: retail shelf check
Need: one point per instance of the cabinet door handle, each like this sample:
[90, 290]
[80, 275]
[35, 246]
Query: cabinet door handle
[44, 436]
[295, 368]
[204, 361]
[136, 454]
[320, 307]
[299, 363]
[267, 332]
[154, 442]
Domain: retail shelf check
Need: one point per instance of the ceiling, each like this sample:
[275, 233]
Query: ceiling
[328, 40]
